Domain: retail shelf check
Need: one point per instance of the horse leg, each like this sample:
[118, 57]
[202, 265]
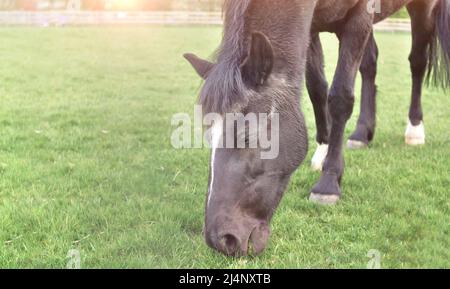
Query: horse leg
[365, 127]
[317, 86]
[353, 37]
[422, 31]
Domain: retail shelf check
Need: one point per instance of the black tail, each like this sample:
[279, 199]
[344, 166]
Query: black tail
[439, 52]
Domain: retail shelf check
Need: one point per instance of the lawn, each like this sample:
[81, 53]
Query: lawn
[86, 161]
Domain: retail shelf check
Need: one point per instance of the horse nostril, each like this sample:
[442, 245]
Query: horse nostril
[230, 244]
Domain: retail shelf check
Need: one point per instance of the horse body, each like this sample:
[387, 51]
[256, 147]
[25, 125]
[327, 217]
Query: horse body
[425, 17]
[268, 48]
[330, 15]
[431, 48]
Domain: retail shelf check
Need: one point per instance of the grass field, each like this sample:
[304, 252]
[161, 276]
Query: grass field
[86, 161]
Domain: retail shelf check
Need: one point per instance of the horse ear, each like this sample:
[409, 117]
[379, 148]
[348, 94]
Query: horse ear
[258, 65]
[202, 67]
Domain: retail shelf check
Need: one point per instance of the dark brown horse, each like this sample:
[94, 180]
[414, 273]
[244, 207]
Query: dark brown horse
[425, 62]
[260, 68]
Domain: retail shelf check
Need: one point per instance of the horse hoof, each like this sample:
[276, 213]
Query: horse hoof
[356, 144]
[319, 157]
[415, 135]
[321, 199]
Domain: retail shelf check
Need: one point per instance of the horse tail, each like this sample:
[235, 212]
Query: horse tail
[439, 52]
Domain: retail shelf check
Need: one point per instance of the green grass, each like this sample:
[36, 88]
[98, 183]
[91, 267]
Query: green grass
[86, 161]
[403, 13]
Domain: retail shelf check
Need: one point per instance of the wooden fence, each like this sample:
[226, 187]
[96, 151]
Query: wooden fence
[73, 18]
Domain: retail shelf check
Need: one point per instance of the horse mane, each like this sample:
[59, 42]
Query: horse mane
[224, 86]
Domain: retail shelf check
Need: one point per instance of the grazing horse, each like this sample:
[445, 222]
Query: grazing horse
[260, 68]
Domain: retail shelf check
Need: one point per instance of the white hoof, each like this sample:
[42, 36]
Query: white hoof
[415, 135]
[356, 145]
[324, 199]
[319, 157]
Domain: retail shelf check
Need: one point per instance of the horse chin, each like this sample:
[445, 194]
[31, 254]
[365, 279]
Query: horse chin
[258, 239]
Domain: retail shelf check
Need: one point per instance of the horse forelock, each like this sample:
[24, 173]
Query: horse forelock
[224, 87]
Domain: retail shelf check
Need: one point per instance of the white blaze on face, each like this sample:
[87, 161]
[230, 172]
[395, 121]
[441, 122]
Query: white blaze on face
[216, 137]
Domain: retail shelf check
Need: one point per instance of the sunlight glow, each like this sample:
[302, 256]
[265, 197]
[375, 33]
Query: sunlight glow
[126, 4]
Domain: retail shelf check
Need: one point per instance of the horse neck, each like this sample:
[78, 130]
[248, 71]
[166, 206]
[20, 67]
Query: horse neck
[287, 24]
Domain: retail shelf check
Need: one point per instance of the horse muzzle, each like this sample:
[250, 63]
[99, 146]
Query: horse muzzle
[237, 238]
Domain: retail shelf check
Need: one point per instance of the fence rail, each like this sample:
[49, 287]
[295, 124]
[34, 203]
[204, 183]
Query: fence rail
[73, 18]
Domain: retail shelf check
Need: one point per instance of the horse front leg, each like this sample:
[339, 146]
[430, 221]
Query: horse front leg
[353, 37]
[422, 37]
[317, 86]
[365, 128]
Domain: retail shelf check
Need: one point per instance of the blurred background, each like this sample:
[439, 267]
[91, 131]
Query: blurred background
[97, 12]
[145, 5]
[149, 5]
